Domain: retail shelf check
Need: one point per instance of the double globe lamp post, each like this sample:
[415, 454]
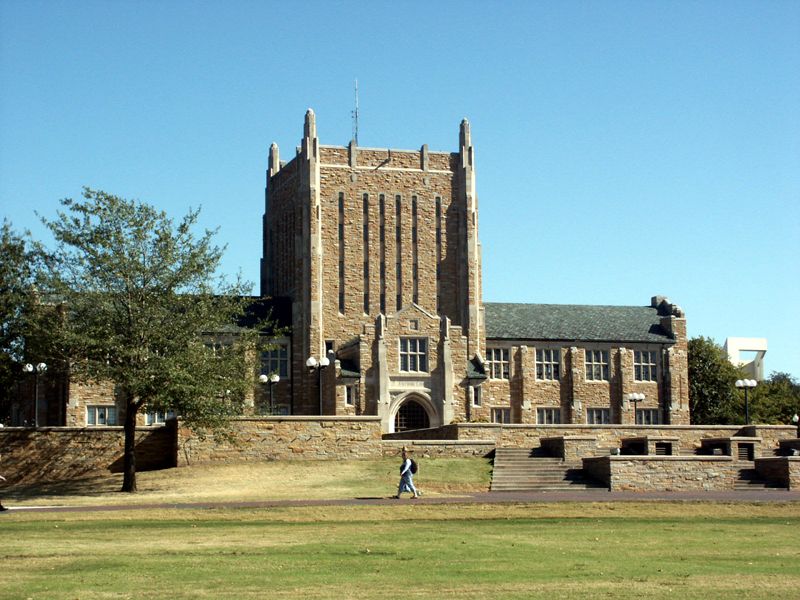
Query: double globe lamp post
[314, 364]
[37, 370]
[635, 397]
[746, 384]
[270, 380]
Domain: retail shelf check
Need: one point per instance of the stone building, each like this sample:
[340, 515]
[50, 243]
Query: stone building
[377, 253]
[372, 261]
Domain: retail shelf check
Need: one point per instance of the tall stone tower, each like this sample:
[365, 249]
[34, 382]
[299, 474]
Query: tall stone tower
[378, 252]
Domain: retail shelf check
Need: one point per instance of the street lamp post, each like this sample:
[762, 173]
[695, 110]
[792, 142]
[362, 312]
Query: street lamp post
[270, 380]
[796, 421]
[635, 397]
[36, 370]
[746, 384]
[314, 364]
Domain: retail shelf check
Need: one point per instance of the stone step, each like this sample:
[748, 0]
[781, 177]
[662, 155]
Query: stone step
[529, 469]
[749, 479]
[583, 485]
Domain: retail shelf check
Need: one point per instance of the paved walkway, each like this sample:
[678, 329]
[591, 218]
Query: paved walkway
[745, 496]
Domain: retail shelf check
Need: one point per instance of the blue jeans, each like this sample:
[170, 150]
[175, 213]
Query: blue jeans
[407, 484]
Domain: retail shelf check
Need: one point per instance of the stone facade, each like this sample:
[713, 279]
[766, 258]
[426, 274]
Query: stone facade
[600, 440]
[62, 453]
[663, 473]
[784, 470]
[282, 438]
[377, 250]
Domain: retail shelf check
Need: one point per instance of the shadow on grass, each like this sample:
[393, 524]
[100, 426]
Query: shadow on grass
[98, 485]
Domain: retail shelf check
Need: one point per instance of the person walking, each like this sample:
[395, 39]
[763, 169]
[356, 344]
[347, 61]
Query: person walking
[407, 477]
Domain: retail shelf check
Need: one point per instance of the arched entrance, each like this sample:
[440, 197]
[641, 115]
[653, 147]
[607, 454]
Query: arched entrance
[411, 415]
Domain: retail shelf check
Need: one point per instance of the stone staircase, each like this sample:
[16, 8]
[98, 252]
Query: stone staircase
[517, 469]
[749, 479]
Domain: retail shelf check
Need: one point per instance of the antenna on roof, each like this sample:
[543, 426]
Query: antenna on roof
[354, 113]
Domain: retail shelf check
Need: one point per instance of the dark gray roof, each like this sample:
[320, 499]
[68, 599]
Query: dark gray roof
[574, 322]
[475, 369]
[349, 369]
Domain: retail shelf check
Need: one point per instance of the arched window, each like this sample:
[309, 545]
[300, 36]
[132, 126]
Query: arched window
[411, 415]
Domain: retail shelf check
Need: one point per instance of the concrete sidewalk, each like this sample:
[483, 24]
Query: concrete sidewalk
[745, 496]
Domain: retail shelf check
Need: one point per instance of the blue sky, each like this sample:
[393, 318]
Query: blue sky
[623, 149]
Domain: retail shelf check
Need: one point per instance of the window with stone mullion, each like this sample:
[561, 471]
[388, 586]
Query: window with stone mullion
[547, 364]
[644, 365]
[413, 355]
[597, 365]
[497, 363]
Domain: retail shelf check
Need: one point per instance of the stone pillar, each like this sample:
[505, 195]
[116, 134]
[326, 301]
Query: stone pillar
[382, 370]
[471, 294]
[576, 380]
[625, 367]
[267, 272]
[446, 365]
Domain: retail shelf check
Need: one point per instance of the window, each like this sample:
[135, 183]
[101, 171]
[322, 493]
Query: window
[547, 364]
[501, 415]
[597, 365]
[101, 415]
[159, 417]
[217, 348]
[598, 416]
[497, 363]
[644, 365]
[350, 395]
[647, 416]
[477, 396]
[276, 360]
[548, 416]
[413, 355]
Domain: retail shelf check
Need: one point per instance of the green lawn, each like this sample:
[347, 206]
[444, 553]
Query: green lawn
[650, 550]
[258, 481]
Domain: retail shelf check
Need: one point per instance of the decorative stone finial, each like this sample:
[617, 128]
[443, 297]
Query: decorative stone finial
[465, 139]
[310, 127]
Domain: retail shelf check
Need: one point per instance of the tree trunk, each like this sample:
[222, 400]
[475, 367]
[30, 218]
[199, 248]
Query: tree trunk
[129, 468]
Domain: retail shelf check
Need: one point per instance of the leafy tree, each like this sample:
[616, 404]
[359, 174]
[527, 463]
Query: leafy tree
[775, 400]
[16, 295]
[145, 310]
[713, 397]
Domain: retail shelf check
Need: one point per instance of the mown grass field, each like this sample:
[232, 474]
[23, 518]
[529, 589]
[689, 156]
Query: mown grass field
[258, 481]
[391, 550]
[642, 550]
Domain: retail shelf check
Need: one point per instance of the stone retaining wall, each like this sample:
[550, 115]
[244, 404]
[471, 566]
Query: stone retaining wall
[285, 438]
[439, 449]
[663, 473]
[770, 435]
[784, 470]
[59, 453]
[607, 436]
